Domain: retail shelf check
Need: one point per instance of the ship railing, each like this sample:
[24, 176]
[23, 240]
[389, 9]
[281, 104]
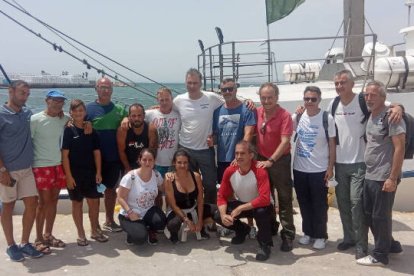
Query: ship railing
[263, 60]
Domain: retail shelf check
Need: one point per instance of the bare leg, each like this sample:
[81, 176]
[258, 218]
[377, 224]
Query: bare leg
[7, 221]
[93, 204]
[29, 215]
[50, 212]
[110, 199]
[40, 214]
[77, 215]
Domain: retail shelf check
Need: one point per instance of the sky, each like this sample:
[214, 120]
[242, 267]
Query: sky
[158, 38]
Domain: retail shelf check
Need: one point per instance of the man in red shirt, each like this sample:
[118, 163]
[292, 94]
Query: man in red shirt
[245, 192]
[274, 129]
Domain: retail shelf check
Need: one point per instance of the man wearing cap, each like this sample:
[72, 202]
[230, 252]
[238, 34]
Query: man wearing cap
[16, 176]
[106, 118]
[47, 128]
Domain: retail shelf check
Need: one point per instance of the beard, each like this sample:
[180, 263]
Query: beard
[137, 124]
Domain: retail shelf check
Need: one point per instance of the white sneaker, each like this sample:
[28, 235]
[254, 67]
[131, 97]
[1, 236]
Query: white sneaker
[305, 240]
[319, 244]
[369, 261]
[253, 233]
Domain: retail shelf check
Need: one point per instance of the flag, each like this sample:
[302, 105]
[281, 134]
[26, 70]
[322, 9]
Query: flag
[277, 9]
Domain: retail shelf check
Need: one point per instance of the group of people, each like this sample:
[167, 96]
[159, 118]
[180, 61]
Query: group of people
[170, 151]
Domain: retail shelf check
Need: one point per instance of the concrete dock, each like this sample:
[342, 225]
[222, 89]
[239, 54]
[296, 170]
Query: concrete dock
[215, 256]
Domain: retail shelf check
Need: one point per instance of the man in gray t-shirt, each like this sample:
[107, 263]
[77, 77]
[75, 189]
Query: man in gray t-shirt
[384, 155]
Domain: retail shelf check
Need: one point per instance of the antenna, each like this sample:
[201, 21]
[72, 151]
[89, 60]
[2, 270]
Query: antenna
[409, 3]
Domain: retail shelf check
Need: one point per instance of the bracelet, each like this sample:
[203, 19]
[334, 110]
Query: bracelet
[129, 211]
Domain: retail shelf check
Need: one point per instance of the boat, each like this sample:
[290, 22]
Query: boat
[257, 59]
[47, 80]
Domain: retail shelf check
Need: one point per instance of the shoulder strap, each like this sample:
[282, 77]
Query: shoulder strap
[335, 105]
[363, 106]
[325, 124]
[297, 123]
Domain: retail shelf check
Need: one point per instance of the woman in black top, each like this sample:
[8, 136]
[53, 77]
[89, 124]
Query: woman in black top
[184, 190]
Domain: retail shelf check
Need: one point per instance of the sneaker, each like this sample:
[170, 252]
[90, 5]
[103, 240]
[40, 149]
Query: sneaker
[369, 261]
[14, 253]
[360, 253]
[223, 231]
[287, 245]
[241, 236]
[174, 238]
[29, 251]
[344, 246]
[319, 244]
[112, 227]
[253, 232]
[263, 253]
[128, 241]
[305, 240]
[396, 247]
[152, 238]
[204, 234]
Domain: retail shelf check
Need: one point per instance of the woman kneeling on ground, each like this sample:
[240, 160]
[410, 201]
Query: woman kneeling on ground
[81, 159]
[136, 195]
[184, 191]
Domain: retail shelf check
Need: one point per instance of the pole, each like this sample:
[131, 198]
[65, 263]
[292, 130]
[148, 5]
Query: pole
[269, 58]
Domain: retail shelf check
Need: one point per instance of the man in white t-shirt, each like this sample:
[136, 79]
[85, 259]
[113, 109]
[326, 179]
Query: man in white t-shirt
[168, 123]
[350, 167]
[196, 110]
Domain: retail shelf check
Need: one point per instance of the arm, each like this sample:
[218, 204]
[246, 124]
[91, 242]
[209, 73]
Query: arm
[223, 194]
[5, 178]
[332, 157]
[153, 137]
[120, 140]
[396, 112]
[283, 146]
[248, 133]
[98, 165]
[122, 200]
[390, 184]
[200, 202]
[70, 182]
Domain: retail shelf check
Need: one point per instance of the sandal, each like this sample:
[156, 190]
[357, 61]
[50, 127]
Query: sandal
[42, 247]
[82, 242]
[100, 237]
[53, 242]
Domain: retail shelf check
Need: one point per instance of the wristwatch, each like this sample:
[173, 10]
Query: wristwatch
[271, 160]
[3, 169]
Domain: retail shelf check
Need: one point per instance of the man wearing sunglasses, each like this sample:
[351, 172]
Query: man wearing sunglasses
[274, 129]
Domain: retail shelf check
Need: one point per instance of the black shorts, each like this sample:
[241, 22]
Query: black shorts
[111, 173]
[85, 186]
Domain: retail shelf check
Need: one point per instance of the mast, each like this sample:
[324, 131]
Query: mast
[354, 24]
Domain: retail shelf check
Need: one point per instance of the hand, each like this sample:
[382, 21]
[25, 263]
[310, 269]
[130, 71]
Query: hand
[395, 114]
[169, 176]
[133, 216]
[70, 182]
[190, 225]
[125, 124]
[236, 212]
[250, 104]
[300, 109]
[98, 178]
[233, 163]
[61, 114]
[199, 226]
[264, 164]
[227, 220]
[5, 179]
[87, 127]
[210, 141]
[389, 186]
[328, 175]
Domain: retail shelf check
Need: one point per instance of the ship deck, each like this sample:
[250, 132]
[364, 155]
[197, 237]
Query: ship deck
[210, 257]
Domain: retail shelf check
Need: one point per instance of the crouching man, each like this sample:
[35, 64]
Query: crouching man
[384, 155]
[245, 193]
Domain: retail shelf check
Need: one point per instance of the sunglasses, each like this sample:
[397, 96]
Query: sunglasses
[310, 99]
[263, 128]
[227, 89]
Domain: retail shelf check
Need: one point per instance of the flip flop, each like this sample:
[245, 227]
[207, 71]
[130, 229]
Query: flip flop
[100, 237]
[42, 247]
[53, 242]
[82, 242]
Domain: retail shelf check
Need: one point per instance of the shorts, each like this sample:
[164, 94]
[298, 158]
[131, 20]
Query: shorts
[48, 178]
[111, 174]
[25, 186]
[85, 186]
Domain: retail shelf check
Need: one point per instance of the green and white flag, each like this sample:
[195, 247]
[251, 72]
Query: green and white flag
[277, 9]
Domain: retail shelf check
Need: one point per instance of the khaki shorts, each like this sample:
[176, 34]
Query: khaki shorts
[25, 186]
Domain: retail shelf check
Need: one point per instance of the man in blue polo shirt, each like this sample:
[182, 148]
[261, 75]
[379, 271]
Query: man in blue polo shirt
[16, 176]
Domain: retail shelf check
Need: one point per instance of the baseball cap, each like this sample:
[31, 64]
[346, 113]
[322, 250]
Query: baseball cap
[55, 94]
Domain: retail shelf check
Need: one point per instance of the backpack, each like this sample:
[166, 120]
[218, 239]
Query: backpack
[409, 133]
[362, 105]
[324, 123]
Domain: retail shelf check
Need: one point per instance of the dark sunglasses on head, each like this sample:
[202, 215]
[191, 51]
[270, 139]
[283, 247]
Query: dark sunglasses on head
[227, 89]
[263, 128]
[310, 99]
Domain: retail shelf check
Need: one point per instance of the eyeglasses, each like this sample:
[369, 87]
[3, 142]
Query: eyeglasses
[263, 128]
[337, 83]
[227, 89]
[310, 99]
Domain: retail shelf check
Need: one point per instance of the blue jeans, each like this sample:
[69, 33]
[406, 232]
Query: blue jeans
[350, 179]
[205, 162]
